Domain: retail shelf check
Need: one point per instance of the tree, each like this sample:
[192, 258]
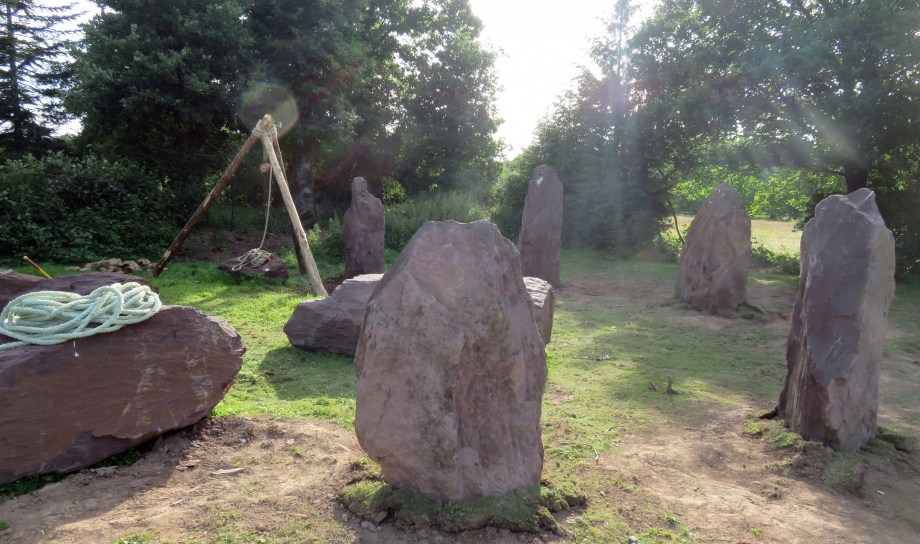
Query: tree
[33, 71]
[825, 85]
[157, 82]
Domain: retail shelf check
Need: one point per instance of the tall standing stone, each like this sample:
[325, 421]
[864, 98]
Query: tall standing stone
[540, 240]
[365, 226]
[713, 267]
[839, 321]
[451, 367]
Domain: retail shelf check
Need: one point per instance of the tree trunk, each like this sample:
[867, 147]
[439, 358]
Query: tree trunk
[301, 181]
[857, 177]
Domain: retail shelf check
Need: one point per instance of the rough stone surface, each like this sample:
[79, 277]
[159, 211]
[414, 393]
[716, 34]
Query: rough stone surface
[67, 406]
[713, 267]
[544, 304]
[451, 367]
[364, 230]
[839, 322]
[274, 268]
[14, 284]
[540, 240]
[332, 323]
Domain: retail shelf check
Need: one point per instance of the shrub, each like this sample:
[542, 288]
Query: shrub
[404, 219]
[77, 210]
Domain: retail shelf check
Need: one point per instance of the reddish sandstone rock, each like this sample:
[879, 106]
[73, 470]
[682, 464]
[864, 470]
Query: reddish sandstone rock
[713, 267]
[332, 323]
[67, 406]
[544, 305]
[540, 241]
[365, 225]
[274, 268]
[14, 284]
[839, 321]
[451, 367]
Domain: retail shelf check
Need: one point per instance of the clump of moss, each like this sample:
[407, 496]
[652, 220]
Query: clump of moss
[773, 431]
[365, 469]
[845, 472]
[528, 509]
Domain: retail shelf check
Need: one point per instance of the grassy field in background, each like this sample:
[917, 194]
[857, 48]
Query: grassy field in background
[778, 236]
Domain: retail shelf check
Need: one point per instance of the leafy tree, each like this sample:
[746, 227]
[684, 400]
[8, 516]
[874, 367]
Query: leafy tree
[825, 85]
[33, 71]
[157, 83]
[450, 118]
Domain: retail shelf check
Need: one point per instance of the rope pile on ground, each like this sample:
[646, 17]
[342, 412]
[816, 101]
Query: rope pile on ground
[52, 317]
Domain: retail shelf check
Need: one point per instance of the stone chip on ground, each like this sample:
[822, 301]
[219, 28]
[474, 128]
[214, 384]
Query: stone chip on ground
[451, 367]
[712, 270]
[839, 323]
[67, 406]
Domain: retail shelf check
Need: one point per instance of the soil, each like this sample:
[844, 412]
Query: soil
[709, 473]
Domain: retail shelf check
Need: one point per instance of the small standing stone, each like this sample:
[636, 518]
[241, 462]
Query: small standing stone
[839, 320]
[451, 367]
[713, 267]
[365, 226]
[544, 305]
[540, 241]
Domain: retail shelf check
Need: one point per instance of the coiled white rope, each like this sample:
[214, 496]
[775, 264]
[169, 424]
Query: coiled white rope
[53, 317]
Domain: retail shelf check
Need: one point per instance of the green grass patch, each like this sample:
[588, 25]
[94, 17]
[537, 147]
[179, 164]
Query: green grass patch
[4, 525]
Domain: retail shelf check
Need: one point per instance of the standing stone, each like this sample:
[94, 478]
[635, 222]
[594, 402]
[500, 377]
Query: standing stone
[540, 240]
[544, 305]
[332, 323]
[839, 320]
[365, 226]
[713, 267]
[451, 367]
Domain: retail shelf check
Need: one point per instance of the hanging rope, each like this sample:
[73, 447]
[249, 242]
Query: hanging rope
[52, 317]
[258, 257]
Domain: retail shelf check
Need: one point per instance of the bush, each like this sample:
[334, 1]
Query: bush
[78, 210]
[404, 219]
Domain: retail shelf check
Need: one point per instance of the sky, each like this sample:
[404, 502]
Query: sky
[543, 42]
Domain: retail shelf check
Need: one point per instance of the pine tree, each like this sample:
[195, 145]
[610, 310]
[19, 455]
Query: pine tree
[33, 70]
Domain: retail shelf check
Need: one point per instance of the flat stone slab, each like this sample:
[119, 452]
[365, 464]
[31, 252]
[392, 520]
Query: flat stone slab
[274, 268]
[14, 284]
[334, 323]
[68, 406]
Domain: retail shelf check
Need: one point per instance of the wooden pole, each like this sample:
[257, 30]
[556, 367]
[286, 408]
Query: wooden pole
[212, 196]
[299, 234]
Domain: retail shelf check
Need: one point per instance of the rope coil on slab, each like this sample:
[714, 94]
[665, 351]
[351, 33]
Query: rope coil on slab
[52, 317]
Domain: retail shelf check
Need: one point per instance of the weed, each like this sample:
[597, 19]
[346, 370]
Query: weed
[4, 525]
[671, 519]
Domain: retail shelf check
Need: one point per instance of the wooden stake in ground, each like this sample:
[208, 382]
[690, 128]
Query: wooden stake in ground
[268, 134]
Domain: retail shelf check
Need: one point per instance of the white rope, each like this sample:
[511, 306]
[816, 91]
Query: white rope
[53, 317]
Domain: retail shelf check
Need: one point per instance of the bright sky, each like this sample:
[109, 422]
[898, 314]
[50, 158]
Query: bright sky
[544, 42]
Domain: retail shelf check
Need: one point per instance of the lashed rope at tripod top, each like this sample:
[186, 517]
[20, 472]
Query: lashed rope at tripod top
[52, 317]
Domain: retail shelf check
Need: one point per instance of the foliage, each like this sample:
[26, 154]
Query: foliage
[824, 86]
[403, 220]
[33, 73]
[80, 210]
[156, 82]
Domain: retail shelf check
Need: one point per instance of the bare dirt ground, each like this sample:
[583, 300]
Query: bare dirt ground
[710, 473]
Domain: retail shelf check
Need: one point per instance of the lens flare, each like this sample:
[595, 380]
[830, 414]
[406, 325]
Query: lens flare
[273, 99]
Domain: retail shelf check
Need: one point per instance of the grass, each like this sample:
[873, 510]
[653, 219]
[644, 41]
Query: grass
[605, 350]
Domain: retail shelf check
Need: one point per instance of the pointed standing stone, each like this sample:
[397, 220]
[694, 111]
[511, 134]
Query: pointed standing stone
[540, 240]
[451, 367]
[839, 321]
[713, 267]
[365, 226]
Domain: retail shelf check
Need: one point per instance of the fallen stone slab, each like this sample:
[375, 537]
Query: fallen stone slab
[14, 284]
[839, 320]
[68, 406]
[274, 268]
[540, 241]
[451, 367]
[332, 323]
[712, 270]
